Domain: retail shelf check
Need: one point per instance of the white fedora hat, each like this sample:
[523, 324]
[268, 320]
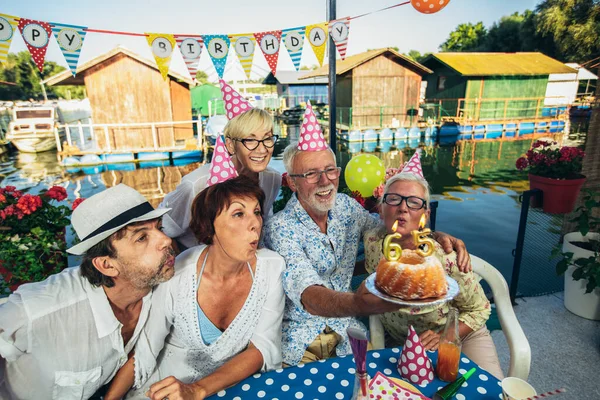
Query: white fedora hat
[104, 213]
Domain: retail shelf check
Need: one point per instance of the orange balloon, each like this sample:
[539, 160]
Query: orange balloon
[429, 6]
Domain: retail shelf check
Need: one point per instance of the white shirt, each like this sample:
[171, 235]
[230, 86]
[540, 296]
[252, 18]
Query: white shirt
[183, 353]
[60, 339]
[176, 224]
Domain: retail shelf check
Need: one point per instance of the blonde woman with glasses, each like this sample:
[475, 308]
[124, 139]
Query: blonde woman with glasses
[250, 141]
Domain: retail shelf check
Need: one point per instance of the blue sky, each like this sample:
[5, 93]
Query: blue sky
[403, 26]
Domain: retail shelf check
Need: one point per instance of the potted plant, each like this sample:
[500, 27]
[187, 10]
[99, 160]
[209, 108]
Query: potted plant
[580, 260]
[556, 171]
[32, 235]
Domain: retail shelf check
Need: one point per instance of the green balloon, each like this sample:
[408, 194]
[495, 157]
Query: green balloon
[364, 173]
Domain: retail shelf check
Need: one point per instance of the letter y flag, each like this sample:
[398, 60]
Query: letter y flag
[339, 30]
[70, 40]
[269, 44]
[162, 46]
[36, 35]
[8, 25]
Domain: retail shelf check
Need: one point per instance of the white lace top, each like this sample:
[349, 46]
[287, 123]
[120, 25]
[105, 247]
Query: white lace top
[171, 342]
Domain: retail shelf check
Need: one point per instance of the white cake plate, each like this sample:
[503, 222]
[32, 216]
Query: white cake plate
[452, 292]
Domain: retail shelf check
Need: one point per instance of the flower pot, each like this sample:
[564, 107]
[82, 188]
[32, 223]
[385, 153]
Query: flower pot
[586, 305]
[559, 194]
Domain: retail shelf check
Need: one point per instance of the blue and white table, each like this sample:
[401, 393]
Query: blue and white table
[334, 379]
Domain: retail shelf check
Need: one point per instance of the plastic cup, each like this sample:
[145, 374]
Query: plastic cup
[516, 389]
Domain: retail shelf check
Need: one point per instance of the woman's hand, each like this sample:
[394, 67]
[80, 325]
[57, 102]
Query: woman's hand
[449, 244]
[430, 340]
[173, 389]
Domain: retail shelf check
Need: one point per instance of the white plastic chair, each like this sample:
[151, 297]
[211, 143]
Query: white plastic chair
[520, 352]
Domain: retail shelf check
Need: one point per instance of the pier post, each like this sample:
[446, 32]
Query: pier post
[331, 15]
[57, 138]
[68, 130]
[154, 138]
[81, 138]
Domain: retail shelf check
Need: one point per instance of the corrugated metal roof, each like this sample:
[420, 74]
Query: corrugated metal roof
[293, 78]
[343, 66]
[486, 64]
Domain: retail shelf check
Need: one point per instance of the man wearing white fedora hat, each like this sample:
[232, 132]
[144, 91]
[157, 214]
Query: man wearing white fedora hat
[66, 337]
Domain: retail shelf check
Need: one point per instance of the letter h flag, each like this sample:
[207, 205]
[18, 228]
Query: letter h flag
[70, 40]
[269, 44]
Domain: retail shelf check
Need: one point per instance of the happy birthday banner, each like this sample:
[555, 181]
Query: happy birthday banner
[70, 39]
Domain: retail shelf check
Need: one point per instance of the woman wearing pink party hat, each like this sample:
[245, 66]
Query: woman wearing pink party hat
[220, 319]
[406, 199]
[250, 141]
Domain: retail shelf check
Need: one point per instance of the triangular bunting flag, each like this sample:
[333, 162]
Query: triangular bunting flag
[339, 30]
[294, 42]
[37, 36]
[269, 44]
[317, 37]
[70, 40]
[191, 50]
[8, 25]
[162, 45]
[218, 47]
[244, 45]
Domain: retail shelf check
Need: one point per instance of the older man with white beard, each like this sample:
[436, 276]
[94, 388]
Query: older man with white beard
[318, 234]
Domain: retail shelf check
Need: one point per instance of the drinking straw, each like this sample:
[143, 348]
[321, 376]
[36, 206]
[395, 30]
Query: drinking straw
[547, 394]
[358, 343]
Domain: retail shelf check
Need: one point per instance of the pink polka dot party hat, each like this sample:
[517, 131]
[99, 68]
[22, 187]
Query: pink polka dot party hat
[413, 166]
[221, 166]
[311, 136]
[235, 104]
[414, 364]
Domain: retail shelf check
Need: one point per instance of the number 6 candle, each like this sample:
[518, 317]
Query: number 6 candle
[420, 237]
[392, 251]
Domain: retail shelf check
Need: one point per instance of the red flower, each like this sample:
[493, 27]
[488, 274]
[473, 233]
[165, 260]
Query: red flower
[521, 163]
[77, 202]
[9, 189]
[284, 181]
[2, 198]
[57, 193]
[28, 204]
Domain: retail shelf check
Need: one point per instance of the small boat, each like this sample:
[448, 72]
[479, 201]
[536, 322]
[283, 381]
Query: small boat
[32, 129]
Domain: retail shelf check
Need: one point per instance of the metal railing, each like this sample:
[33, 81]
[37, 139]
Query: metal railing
[88, 133]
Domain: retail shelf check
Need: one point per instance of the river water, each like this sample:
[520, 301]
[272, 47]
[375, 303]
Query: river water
[476, 183]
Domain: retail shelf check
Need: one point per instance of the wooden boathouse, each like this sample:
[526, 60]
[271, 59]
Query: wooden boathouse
[128, 90]
[377, 88]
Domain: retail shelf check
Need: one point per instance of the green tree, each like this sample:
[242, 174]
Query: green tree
[417, 56]
[21, 70]
[466, 37]
[201, 77]
[573, 26]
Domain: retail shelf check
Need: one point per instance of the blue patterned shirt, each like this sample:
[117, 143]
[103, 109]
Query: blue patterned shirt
[315, 258]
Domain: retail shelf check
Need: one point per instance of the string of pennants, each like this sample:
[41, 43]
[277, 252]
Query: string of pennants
[70, 39]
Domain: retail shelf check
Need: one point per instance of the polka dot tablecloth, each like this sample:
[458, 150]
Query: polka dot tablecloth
[334, 379]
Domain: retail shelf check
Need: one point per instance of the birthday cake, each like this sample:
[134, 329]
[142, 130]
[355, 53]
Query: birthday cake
[412, 277]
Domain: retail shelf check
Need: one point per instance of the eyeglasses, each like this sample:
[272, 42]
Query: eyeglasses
[314, 176]
[412, 202]
[252, 144]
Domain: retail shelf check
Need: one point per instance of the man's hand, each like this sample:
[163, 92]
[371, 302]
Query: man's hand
[449, 244]
[430, 340]
[173, 389]
[369, 304]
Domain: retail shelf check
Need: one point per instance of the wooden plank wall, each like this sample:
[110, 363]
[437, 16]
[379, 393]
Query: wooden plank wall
[124, 90]
[382, 82]
[181, 104]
